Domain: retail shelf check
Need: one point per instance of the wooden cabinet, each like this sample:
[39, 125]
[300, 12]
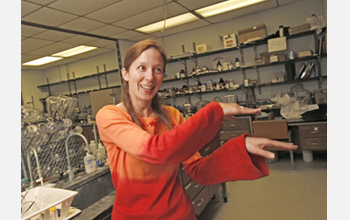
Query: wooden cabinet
[232, 129]
[200, 195]
[313, 136]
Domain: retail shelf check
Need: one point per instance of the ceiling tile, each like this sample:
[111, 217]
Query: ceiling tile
[127, 35]
[29, 31]
[103, 43]
[123, 9]
[31, 44]
[27, 8]
[81, 7]
[107, 30]
[51, 49]
[184, 27]
[143, 37]
[79, 40]
[194, 5]
[151, 16]
[82, 24]
[42, 2]
[48, 16]
[54, 35]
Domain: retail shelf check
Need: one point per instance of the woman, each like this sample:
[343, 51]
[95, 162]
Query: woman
[146, 141]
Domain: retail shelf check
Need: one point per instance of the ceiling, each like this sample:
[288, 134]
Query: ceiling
[51, 26]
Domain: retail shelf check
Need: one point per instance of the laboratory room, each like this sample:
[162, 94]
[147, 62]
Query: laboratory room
[173, 109]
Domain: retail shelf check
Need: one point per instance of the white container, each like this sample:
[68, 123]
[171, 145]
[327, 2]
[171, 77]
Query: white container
[93, 149]
[307, 155]
[46, 198]
[89, 163]
[101, 150]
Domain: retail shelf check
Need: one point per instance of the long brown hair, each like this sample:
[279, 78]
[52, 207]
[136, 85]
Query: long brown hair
[157, 103]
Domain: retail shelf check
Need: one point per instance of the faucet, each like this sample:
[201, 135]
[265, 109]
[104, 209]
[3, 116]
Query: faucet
[70, 171]
[32, 182]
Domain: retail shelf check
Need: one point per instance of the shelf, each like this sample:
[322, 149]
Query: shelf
[252, 86]
[78, 78]
[255, 43]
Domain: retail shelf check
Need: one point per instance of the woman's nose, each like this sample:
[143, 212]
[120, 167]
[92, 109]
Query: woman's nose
[149, 74]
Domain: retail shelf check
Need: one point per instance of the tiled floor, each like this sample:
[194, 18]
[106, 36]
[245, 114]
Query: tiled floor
[286, 194]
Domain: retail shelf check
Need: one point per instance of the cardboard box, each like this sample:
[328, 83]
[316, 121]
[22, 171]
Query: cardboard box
[265, 57]
[306, 53]
[202, 48]
[256, 31]
[277, 57]
[277, 44]
[230, 40]
[262, 60]
[299, 29]
[272, 129]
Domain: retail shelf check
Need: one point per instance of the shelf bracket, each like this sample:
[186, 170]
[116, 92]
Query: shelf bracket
[320, 81]
[242, 55]
[258, 77]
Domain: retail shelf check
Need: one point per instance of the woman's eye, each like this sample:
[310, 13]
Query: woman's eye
[159, 70]
[142, 67]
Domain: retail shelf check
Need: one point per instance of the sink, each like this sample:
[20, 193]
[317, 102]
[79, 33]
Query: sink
[90, 187]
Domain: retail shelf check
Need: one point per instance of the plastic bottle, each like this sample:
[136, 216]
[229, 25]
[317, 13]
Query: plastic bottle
[237, 63]
[101, 150]
[89, 163]
[281, 30]
[92, 147]
[99, 161]
[219, 66]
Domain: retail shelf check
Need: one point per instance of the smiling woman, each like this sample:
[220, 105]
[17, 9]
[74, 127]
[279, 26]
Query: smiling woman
[146, 141]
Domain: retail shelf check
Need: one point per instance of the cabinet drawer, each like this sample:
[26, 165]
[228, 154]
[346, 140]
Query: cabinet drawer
[227, 135]
[185, 177]
[238, 124]
[201, 200]
[317, 130]
[192, 189]
[314, 143]
[211, 146]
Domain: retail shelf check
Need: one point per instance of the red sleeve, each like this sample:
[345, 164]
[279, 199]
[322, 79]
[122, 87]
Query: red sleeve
[173, 146]
[230, 162]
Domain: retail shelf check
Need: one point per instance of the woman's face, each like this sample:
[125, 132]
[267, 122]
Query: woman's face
[145, 75]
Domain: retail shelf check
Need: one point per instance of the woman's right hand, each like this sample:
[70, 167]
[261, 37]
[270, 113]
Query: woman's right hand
[232, 109]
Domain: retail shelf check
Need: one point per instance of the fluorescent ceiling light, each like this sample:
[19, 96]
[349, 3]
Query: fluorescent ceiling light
[225, 7]
[74, 51]
[170, 22]
[42, 61]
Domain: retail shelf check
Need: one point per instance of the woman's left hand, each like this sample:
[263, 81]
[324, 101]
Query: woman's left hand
[256, 145]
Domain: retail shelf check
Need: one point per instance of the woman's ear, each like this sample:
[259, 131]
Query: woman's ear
[125, 74]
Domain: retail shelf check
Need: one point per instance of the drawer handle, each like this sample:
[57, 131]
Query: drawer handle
[221, 132]
[188, 186]
[198, 185]
[314, 132]
[231, 125]
[201, 202]
[315, 143]
[233, 135]
[206, 149]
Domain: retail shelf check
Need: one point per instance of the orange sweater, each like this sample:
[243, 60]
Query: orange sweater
[144, 163]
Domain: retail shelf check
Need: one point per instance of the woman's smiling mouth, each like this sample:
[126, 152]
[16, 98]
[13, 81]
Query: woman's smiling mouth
[147, 87]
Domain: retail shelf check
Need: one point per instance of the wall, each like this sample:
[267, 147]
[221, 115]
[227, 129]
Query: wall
[288, 15]
[29, 80]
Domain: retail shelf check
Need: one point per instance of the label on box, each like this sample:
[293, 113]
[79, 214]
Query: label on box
[277, 44]
[230, 40]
